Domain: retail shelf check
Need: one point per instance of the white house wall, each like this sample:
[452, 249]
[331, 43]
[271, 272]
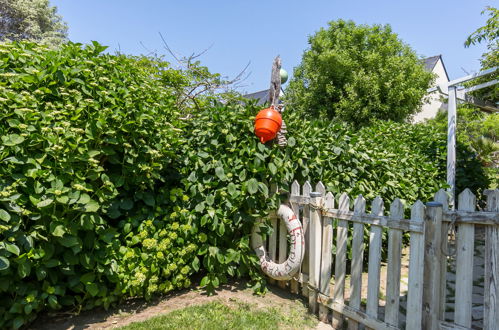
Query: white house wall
[436, 104]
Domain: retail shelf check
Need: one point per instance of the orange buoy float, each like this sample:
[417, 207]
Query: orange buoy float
[267, 123]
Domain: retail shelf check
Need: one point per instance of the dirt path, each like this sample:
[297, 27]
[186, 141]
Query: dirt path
[136, 310]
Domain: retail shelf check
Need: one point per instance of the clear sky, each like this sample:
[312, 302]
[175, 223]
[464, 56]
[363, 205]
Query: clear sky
[256, 31]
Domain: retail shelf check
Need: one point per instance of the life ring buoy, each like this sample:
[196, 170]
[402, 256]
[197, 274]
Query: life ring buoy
[287, 269]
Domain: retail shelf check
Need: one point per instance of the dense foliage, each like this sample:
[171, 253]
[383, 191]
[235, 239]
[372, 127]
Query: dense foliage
[108, 189]
[358, 73]
[88, 140]
[478, 133]
[33, 20]
[489, 33]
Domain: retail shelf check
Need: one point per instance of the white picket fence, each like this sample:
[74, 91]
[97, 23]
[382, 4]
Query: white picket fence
[331, 226]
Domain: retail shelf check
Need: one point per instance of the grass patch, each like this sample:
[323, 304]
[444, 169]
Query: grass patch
[216, 315]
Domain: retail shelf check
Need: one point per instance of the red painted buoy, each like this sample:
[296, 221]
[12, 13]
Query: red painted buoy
[267, 123]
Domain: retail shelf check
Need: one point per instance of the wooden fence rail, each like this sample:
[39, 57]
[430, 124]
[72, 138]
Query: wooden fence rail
[332, 278]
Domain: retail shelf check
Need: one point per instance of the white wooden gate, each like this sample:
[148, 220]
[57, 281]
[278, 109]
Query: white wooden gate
[333, 279]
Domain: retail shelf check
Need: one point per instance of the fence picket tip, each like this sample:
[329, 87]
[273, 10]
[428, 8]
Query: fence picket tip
[466, 200]
[396, 208]
[307, 188]
[360, 204]
[417, 211]
[344, 201]
[329, 200]
[378, 204]
[295, 188]
[319, 187]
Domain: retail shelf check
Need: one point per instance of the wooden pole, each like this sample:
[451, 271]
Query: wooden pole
[431, 290]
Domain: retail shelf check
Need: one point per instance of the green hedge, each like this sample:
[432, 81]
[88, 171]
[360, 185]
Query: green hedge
[108, 190]
[88, 142]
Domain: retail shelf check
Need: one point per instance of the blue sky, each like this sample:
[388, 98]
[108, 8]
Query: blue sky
[256, 31]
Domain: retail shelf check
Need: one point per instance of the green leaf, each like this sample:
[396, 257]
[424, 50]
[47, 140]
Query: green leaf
[272, 168]
[126, 204]
[12, 139]
[57, 229]
[231, 188]
[18, 322]
[200, 207]
[204, 281]
[12, 248]
[252, 186]
[69, 241]
[52, 301]
[92, 206]
[92, 288]
[210, 199]
[52, 263]
[4, 215]
[148, 198]
[44, 203]
[87, 278]
[4, 263]
[24, 269]
[219, 171]
[84, 199]
[28, 308]
[195, 264]
[291, 141]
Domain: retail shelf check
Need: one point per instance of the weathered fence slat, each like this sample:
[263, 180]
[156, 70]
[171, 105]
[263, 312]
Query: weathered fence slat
[441, 197]
[306, 190]
[273, 243]
[315, 245]
[432, 257]
[416, 266]
[394, 263]
[374, 263]
[326, 260]
[491, 288]
[283, 247]
[295, 191]
[357, 256]
[464, 262]
[340, 262]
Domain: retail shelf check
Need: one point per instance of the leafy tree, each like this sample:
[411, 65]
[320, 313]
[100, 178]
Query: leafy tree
[33, 20]
[488, 33]
[358, 73]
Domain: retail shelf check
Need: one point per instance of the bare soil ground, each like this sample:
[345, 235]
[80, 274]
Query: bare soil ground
[136, 310]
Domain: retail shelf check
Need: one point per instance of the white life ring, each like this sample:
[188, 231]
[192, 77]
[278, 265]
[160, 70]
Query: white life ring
[286, 270]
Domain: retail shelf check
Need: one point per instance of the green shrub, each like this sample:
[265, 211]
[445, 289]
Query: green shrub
[88, 142]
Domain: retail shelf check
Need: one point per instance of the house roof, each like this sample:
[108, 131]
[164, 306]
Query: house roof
[261, 96]
[430, 62]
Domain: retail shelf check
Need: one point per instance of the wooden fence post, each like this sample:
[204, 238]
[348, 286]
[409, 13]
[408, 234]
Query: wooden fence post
[394, 265]
[441, 197]
[315, 249]
[416, 267]
[306, 190]
[491, 289]
[357, 258]
[327, 256]
[374, 264]
[340, 263]
[295, 191]
[431, 283]
[464, 262]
